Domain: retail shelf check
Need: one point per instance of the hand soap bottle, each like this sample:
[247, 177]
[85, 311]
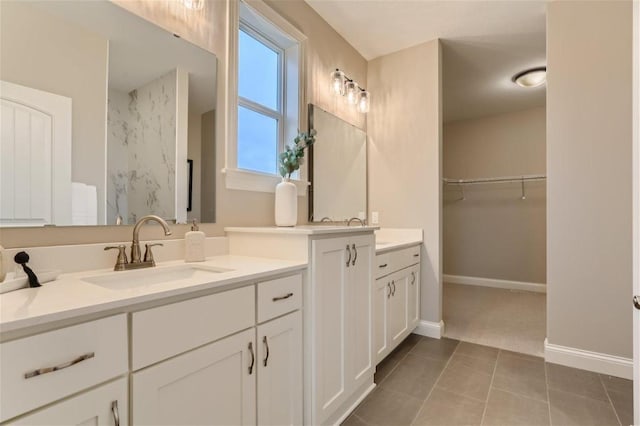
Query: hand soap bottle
[194, 244]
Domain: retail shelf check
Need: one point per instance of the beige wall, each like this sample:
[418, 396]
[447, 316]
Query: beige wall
[493, 233]
[405, 154]
[209, 172]
[325, 51]
[589, 121]
[31, 45]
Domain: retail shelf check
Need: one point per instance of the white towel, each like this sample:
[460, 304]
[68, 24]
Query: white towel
[84, 204]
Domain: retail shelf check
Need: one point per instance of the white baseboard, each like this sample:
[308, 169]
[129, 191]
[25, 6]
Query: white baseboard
[491, 282]
[587, 360]
[430, 329]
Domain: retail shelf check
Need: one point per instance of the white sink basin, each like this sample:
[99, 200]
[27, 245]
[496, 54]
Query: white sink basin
[153, 276]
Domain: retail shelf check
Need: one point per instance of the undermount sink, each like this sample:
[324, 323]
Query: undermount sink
[153, 276]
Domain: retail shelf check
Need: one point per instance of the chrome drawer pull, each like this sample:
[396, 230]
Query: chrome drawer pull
[416, 255]
[288, 295]
[348, 251]
[384, 265]
[266, 345]
[116, 414]
[355, 256]
[46, 370]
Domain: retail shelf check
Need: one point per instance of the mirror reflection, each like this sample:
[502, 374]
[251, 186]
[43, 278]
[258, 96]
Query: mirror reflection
[105, 117]
[338, 169]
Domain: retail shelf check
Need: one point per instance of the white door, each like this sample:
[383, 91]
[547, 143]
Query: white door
[359, 302]
[35, 157]
[328, 304]
[398, 307]
[380, 317]
[213, 385]
[106, 405]
[279, 359]
[413, 297]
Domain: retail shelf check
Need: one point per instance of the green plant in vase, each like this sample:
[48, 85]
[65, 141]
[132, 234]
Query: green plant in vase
[293, 156]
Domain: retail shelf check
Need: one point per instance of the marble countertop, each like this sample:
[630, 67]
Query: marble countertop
[302, 229]
[71, 297]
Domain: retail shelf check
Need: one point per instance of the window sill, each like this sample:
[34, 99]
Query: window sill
[245, 180]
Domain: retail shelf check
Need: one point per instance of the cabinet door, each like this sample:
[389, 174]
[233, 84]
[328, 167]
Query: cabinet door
[380, 317]
[413, 297]
[397, 324]
[212, 385]
[280, 371]
[359, 302]
[105, 405]
[328, 304]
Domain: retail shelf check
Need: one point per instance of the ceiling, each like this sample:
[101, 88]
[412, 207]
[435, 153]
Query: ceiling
[484, 44]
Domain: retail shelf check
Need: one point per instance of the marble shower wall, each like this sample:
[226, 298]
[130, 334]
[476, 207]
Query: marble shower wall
[141, 151]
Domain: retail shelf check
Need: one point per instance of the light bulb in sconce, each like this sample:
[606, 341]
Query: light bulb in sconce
[193, 4]
[337, 82]
[364, 101]
[352, 92]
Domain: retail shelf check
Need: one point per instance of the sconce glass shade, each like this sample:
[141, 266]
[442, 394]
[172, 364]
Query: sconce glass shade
[364, 101]
[337, 82]
[193, 4]
[352, 92]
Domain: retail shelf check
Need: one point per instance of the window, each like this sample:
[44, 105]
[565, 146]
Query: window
[260, 117]
[267, 112]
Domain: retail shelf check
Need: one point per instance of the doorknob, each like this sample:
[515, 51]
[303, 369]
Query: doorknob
[636, 302]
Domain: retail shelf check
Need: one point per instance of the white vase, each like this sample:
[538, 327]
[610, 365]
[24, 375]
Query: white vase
[286, 203]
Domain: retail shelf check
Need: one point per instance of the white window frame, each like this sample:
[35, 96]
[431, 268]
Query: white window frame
[259, 19]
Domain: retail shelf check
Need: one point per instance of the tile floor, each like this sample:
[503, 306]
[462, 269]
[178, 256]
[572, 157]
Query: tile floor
[446, 382]
[506, 319]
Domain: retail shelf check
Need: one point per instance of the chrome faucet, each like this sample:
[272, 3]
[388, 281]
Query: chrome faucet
[356, 219]
[135, 244]
[122, 263]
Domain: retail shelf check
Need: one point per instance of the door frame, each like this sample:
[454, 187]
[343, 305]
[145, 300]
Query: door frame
[636, 206]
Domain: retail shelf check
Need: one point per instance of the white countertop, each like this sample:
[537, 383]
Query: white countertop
[69, 296]
[389, 239]
[302, 229]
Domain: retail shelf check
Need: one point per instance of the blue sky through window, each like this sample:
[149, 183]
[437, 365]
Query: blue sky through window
[257, 141]
[258, 72]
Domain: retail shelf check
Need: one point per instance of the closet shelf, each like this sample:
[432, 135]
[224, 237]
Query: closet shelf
[501, 179]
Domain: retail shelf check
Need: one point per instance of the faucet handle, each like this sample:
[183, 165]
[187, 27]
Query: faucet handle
[122, 260]
[148, 254]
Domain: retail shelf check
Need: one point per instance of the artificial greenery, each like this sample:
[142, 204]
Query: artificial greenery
[293, 156]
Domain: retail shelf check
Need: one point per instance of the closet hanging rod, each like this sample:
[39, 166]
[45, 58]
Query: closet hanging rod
[502, 179]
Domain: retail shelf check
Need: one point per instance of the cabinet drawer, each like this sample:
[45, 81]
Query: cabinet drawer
[405, 257]
[277, 297]
[383, 265]
[40, 369]
[162, 332]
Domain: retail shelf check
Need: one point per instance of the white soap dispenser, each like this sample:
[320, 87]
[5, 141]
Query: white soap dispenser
[194, 244]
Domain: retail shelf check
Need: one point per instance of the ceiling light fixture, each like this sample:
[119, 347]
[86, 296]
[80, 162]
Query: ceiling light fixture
[355, 95]
[533, 77]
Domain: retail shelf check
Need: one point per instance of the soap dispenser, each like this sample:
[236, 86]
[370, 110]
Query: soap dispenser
[194, 244]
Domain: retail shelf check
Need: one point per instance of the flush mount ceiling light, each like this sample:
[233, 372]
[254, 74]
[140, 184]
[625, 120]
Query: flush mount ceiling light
[341, 85]
[533, 77]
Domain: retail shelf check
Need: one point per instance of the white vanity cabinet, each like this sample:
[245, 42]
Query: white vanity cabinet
[105, 405]
[341, 306]
[251, 377]
[396, 300]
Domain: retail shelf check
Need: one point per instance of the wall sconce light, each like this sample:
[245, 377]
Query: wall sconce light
[342, 85]
[193, 4]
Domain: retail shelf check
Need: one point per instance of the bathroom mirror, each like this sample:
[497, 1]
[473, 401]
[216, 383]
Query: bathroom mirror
[106, 117]
[338, 168]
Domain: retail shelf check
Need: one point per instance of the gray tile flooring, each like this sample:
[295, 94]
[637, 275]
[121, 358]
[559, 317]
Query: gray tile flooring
[446, 382]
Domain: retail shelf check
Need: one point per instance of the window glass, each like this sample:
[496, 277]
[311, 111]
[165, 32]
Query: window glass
[257, 141]
[258, 71]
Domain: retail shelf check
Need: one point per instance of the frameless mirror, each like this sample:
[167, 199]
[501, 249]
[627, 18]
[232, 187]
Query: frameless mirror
[105, 117]
[338, 168]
